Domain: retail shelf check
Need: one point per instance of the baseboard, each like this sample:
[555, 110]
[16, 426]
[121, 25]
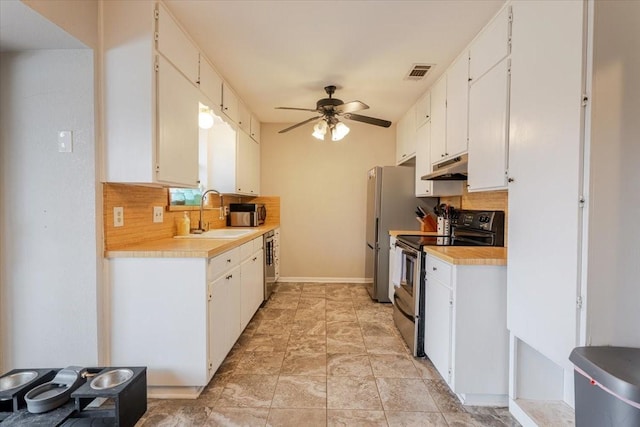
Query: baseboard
[323, 280]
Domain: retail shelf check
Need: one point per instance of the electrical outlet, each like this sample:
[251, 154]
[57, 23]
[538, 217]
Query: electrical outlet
[118, 216]
[226, 210]
[158, 214]
[65, 141]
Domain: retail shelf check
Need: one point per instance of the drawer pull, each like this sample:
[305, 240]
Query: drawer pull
[229, 260]
[229, 276]
[433, 268]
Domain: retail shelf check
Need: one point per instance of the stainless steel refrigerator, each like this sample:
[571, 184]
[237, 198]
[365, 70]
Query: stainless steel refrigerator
[391, 205]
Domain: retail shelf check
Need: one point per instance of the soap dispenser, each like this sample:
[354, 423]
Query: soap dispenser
[184, 225]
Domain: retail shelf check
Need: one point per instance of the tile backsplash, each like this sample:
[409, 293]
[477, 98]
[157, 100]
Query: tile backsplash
[138, 202]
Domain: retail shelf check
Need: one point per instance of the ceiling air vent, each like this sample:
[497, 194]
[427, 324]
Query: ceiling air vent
[418, 71]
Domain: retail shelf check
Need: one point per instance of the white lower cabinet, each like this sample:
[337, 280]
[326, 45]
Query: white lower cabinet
[466, 336]
[180, 317]
[224, 306]
[251, 280]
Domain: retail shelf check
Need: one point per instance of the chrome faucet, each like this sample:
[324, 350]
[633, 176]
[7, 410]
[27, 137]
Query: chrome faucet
[221, 208]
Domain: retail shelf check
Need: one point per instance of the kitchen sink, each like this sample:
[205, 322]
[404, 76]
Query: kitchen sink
[220, 233]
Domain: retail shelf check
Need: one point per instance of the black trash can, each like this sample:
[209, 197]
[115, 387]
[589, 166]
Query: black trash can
[607, 386]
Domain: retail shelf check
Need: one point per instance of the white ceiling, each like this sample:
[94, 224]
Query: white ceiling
[282, 53]
[21, 28]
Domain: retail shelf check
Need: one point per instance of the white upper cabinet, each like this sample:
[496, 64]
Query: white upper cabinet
[210, 82]
[489, 105]
[457, 106]
[150, 136]
[406, 137]
[423, 110]
[488, 129]
[177, 126]
[248, 166]
[231, 160]
[255, 128]
[491, 46]
[229, 103]
[423, 167]
[423, 160]
[244, 117]
[174, 44]
[438, 120]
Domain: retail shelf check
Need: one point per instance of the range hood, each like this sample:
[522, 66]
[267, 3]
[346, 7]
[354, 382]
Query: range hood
[450, 170]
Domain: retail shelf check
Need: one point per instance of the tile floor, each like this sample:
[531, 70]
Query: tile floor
[323, 355]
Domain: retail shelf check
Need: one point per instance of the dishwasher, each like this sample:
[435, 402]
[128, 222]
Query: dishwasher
[269, 264]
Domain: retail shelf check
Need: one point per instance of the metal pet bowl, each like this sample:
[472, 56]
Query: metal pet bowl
[111, 379]
[16, 380]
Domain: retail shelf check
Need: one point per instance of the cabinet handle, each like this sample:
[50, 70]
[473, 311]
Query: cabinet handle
[433, 268]
[229, 260]
[229, 276]
[426, 117]
[254, 258]
[446, 154]
[510, 179]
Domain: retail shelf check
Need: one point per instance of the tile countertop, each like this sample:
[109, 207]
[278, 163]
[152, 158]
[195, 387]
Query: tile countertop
[185, 247]
[461, 255]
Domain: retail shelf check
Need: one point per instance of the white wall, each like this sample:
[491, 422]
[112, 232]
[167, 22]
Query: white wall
[322, 189]
[614, 209]
[48, 235]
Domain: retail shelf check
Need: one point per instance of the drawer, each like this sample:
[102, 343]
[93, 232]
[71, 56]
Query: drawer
[258, 243]
[439, 269]
[246, 249]
[217, 266]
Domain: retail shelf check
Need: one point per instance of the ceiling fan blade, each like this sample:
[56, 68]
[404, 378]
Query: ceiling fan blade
[368, 120]
[351, 107]
[297, 109]
[299, 124]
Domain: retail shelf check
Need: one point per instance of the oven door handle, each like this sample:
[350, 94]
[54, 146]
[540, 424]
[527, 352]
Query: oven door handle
[400, 308]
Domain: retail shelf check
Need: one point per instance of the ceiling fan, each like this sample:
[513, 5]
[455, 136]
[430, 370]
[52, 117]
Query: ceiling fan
[330, 109]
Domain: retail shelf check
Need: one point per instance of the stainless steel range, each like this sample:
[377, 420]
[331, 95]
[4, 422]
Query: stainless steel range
[468, 228]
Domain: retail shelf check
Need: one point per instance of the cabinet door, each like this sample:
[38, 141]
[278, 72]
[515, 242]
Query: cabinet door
[252, 288]
[439, 309]
[210, 82]
[545, 152]
[488, 129]
[177, 124]
[173, 43]
[457, 106]
[245, 172]
[438, 120]
[229, 103]
[234, 306]
[255, 128]
[218, 334]
[406, 136]
[423, 160]
[255, 168]
[423, 110]
[491, 46]
[244, 117]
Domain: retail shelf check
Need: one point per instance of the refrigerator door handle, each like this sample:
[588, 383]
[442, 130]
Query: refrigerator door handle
[376, 231]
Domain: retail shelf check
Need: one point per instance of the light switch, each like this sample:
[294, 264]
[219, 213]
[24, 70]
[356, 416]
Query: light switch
[158, 214]
[65, 141]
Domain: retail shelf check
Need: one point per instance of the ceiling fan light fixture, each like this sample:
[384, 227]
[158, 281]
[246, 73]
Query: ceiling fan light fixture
[205, 118]
[319, 130]
[339, 131]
